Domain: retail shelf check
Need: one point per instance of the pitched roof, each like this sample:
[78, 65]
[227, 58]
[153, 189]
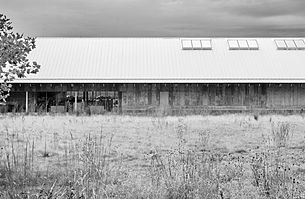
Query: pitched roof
[157, 60]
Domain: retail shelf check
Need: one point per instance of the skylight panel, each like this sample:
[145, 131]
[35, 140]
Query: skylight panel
[290, 45]
[196, 45]
[233, 44]
[187, 44]
[253, 45]
[206, 44]
[243, 45]
[300, 44]
[281, 45]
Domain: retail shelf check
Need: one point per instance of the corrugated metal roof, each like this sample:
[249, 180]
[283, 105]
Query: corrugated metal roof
[133, 60]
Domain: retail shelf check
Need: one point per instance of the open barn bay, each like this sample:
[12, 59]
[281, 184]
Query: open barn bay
[110, 156]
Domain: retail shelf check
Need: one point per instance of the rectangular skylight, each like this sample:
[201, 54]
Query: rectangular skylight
[253, 45]
[206, 44]
[290, 45]
[243, 45]
[196, 45]
[233, 44]
[187, 44]
[281, 45]
[300, 44]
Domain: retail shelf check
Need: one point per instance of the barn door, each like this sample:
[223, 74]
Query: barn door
[164, 103]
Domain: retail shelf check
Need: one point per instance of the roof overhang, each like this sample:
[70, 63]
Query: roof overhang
[168, 81]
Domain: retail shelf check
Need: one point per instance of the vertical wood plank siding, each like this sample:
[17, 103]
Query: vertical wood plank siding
[250, 96]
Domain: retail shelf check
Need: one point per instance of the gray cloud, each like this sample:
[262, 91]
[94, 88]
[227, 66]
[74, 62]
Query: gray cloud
[263, 8]
[157, 17]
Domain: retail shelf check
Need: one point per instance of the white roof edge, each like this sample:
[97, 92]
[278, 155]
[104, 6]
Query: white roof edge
[180, 80]
[173, 37]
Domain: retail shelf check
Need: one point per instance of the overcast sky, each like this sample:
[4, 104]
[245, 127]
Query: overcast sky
[95, 18]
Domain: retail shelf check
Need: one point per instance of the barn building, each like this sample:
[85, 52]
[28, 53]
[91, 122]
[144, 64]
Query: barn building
[171, 75]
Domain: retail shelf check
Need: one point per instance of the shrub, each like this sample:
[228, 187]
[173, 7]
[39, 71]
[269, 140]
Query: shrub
[274, 177]
[281, 132]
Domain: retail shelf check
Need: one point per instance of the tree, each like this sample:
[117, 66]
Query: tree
[14, 49]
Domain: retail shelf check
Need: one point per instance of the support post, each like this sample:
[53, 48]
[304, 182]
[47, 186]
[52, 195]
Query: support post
[46, 102]
[75, 102]
[120, 102]
[26, 101]
[56, 102]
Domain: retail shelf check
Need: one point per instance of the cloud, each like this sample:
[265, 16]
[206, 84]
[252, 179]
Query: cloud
[263, 8]
[156, 17]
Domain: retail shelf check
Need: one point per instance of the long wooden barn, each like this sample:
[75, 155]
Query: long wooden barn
[170, 75]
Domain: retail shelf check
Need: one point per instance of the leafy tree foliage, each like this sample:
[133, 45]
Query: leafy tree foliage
[14, 49]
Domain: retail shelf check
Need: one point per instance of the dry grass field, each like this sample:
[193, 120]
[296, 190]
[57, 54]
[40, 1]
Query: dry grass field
[109, 156]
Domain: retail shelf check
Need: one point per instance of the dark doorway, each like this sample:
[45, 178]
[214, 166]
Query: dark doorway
[45, 100]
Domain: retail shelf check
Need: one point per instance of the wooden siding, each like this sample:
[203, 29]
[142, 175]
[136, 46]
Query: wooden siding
[249, 96]
[282, 95]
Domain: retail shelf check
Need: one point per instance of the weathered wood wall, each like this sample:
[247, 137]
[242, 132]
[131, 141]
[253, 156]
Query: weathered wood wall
[282, 95]
[218, 96]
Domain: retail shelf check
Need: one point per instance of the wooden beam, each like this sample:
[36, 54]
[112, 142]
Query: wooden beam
[26, 101]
